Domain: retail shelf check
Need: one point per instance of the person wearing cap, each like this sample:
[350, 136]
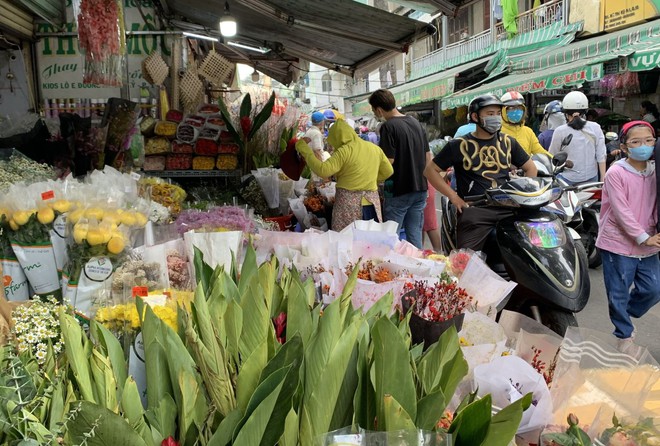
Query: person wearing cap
[552, 118]
[359, 166]
[587, 149]
[513, 124]
[315, 134]
[628, 237]
[612, 147]
[481, 160]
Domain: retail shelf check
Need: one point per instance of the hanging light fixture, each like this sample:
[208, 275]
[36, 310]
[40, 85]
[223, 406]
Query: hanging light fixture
[227, 23]
[255, 75]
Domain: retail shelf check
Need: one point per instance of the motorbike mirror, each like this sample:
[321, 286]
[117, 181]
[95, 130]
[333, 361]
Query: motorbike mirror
[567, 140]
[560, 158]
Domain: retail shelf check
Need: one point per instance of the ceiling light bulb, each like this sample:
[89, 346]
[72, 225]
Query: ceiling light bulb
[227, 23]
[255, 76]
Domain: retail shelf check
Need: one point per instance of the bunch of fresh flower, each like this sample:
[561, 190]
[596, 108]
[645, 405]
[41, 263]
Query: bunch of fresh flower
[136, 272]
[167, 194]
[437, 302]
[36, 327]
[222, 218]
[17, 167]
[178, 270]
[124, 319]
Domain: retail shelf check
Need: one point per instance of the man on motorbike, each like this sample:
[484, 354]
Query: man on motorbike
[552, 118]
[513, 115]
[481, 160]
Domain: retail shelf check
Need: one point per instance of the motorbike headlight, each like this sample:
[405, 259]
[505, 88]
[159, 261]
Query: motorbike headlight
[543, 234]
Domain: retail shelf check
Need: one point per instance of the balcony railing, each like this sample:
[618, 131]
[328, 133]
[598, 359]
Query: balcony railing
[477, 46]
[537, 18]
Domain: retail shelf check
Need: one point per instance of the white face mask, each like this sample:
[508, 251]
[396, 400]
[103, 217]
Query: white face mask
[555, 120]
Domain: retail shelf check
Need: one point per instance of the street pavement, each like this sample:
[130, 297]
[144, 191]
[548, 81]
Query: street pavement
[595, 316]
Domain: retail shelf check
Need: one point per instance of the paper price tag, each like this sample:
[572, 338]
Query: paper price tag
[136, 176]
[48, 195]
[141, 291]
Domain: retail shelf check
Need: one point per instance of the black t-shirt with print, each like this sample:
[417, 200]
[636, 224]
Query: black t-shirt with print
[403, 139]
[480, 164]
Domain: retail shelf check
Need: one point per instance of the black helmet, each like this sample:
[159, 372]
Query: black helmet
[482, 101]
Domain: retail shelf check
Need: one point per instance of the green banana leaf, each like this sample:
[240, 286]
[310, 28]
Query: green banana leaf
[263, 423]
[290, 435]
[226, 116]
[430, 409]
[443, 366]
[298, 317]
[246, 106]
[395, 417]
[327, 359]
[256, 320]
[203, 272]
[248, 270]
[159, 382]
[78, 350]
[470, 427]
[104, 381]
[223, 435]
[343, 413]
[391, 370]
[162, 418]
[249, 375]
[364, 401]
[233, 327]
[262, 116]
[111, 348]
[133, 411]
[109, 428]
[504, 424]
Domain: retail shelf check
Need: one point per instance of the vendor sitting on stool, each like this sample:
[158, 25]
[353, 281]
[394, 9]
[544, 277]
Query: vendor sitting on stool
[359, 167]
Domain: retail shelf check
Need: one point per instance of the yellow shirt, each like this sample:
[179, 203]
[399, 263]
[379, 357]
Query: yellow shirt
[357, 164]
[525, 137]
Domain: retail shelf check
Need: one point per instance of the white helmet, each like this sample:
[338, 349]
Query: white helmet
[575, 100]
[512, 98]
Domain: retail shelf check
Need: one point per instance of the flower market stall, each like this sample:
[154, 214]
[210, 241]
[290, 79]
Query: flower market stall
[164, 325]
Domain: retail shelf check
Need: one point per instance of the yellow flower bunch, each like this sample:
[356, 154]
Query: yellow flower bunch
[125, 317]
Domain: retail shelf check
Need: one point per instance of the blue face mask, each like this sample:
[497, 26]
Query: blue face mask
[515, 116]
[641, 153]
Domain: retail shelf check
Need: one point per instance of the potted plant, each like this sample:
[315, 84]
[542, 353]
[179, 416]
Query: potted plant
[435, 308]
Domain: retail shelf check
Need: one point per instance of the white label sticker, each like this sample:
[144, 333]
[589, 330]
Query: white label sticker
[136, 176]
[59, 225]
[14, 280]
[40, 267]
[98, 269]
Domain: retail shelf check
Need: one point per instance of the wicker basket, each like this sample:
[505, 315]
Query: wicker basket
[215, 68]
[154, 69]
[192, 89]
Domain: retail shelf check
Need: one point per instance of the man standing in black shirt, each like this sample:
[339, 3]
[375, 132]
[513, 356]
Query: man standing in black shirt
[481, 160]
[404, 142]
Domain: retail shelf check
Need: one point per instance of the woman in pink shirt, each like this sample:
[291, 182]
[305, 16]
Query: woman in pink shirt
[627, 238]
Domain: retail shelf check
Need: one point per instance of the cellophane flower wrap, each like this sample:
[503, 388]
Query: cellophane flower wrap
[14, 281]
[440, 301]
[36, 219]
[101, 230]
[102, 40]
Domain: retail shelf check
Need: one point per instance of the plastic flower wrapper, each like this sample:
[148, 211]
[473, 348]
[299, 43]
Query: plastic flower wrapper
[218, 248]
[217, 219]
[31, 226]
[16, 168]
[101, 38]
[481, 338]
[594, 381]
[268, 178]
[351, 436]
[163, 192]
[484, 285]
[174, 263]
[459, 259]
[509, 378]
[14, 280]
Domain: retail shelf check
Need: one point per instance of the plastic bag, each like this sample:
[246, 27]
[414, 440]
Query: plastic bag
[482, 339]
[509, 378]
[487, 289]
[269, 181]
[217, 247]
[594, 381]
[359, 437]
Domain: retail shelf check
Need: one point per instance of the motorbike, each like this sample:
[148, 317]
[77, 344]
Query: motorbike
[578, 207]
[532, 247]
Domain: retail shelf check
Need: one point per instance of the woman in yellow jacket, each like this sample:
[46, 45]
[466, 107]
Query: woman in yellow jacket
[513, 124]
[358, 165]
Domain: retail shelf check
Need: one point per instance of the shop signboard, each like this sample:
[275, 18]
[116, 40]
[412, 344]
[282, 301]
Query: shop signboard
[60, 63]
[617, 14]
[361, 108]
[532, 84]
[644, 60]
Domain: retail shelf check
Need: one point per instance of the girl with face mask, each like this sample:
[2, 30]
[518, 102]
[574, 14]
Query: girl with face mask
[627, 237]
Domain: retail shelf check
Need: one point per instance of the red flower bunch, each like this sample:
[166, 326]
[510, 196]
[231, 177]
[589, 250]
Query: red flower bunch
[170, 441]
[459, 261]
[246, 125]
[439, 302]
[280, 327]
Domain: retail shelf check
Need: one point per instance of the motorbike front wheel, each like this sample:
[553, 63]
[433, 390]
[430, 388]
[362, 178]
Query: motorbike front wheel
[593, 254]
[555, 319]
